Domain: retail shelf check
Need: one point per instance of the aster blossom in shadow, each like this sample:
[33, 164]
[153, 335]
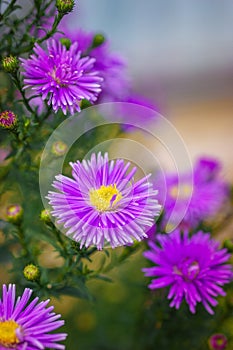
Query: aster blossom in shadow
[61, 76]
[194, 268]
[102, 203]
[202, 193]
[26, 325]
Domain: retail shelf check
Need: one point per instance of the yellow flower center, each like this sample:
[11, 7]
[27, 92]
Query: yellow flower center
[185, 191]
[105, 197]
[8, 336]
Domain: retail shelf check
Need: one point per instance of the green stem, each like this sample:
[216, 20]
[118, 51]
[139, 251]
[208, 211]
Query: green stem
[8, 10]
[19, 87]
[51, 32]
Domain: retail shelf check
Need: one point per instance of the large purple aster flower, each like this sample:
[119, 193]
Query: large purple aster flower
[202, 193]
[62, 76]
[26, 325]
[193, 267]
[103, 203]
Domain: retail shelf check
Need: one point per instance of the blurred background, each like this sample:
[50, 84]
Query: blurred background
[180, 55]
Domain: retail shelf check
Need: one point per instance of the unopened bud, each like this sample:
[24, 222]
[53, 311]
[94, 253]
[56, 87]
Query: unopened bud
[98, 40]
[59, 148]
[10, 64]
[65, 6]
[8, 120]
[14, 213]
[66, 42]
[45, 216]
[31, 272]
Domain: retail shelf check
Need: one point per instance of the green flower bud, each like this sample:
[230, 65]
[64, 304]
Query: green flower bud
[228, 243]
[10, 64]
[14, 213]
[85, 103]
[31, 272]
[65, 6]
[59, 148]
[45, 216]
[66, 42]
[98, 40]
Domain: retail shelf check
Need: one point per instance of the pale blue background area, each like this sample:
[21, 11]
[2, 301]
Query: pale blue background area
[166, 40]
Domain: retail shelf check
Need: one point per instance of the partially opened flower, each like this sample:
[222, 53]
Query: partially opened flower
[218, 342]
[26, 325]
[102, 203]
[61, 76]
[193, 267]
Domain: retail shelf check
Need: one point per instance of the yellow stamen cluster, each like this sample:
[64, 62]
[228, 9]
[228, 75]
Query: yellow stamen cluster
[8, 336]
[105, 197]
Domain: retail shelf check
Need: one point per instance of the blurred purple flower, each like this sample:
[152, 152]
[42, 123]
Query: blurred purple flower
[203, 193]
[111, 66]
[193, 267]
[103, 203]
[26, 325]
[218, 342]
[61, 76]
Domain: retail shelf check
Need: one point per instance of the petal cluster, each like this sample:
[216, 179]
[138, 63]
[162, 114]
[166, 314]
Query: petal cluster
[193, 267]
[102, 203]
[61, 76]
[33, 322]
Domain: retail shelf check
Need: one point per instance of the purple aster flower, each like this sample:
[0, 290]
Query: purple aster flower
[193, 267]
[62, 76]
[103, 203]
[203, 193]
[27, 325]
[218, 342]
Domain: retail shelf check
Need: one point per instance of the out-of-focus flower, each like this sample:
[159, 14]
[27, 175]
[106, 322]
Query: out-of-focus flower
[203, 193]
[116, 86]
[103, 203]
[8, 120]
[62, 76]
[31, 272]
[136, 112]
[14, 213]
[26, 325]
[217, 342]
[10, 64]
[59, 148]
[111, 66]
[194, 268]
